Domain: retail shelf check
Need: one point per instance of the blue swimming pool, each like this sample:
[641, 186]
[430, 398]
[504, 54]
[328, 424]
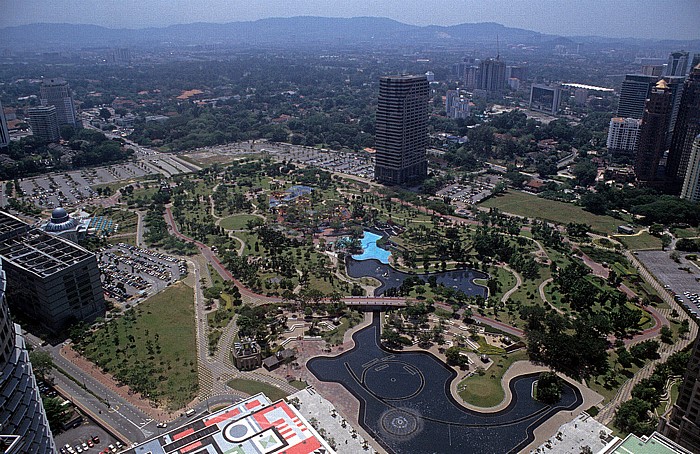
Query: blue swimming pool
[370, 250]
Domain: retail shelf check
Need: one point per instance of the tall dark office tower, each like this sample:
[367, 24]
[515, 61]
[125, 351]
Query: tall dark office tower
[56, 92]
[636, 89]
[23, 420]
[652, 134]
[634, 92]
[492, 75]
[683, 425]
[677, 64]
[686, 129]
[401, 136]
[4, 135]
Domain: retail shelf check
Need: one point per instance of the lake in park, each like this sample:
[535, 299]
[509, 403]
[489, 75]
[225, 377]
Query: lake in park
[406, 404]
[462, 280]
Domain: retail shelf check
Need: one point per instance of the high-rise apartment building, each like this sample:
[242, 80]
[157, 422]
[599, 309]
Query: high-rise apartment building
[691, 184]
[544, 98]
[623, 134]
[456, 104]
[685, 131]
[22, 417]
[53, 281]
[401, 131]
[683, 425]
[4, 134]
[492, 75]
[44, 123]
[652, 133]
[677, 64]
[56, 92]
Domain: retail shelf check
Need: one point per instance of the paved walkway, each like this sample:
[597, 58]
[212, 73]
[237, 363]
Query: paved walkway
[607, 414]
[518, 284]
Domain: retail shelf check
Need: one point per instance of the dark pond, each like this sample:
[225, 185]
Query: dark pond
[406, 405]
[390, 278]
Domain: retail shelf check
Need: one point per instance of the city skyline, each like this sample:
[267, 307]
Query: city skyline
[641, 19]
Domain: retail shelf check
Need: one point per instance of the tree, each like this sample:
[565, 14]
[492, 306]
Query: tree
[585, 172]
[42, 363]
[549, 387]
[666, 335]
[633, 416]
[454, 358]
[666, 240]
[105, 114]
[56, 413]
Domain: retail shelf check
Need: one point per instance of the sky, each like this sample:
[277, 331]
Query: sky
[656, 19]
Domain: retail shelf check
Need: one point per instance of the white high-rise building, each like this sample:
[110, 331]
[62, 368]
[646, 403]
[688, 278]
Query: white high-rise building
[691, 184]
[623, 135]
[456, 104]
[22, 417]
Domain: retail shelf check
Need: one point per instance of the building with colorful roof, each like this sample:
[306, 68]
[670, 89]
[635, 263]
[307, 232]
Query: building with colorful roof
[252, 426]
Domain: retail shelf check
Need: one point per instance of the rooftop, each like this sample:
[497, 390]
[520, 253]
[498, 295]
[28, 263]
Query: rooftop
[653, 444]
[254, 425]
[10, 225]
[41, 253]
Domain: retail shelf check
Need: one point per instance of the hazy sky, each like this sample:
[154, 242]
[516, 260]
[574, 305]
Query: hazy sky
[674, 19]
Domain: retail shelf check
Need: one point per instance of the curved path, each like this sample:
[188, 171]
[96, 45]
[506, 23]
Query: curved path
[606, 414]
[518, 284]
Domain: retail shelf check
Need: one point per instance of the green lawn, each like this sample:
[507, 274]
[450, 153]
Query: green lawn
[486, 390]
[152, 348]
[641, 241]
[531, 206]
[689, 232]
[237, 221]
[253, 387]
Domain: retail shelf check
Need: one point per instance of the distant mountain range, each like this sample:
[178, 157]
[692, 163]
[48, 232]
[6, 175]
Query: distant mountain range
[293, 31]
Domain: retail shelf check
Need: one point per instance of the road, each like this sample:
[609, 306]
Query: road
[119, 417]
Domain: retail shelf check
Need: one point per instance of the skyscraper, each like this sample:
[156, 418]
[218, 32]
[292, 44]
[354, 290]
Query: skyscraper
[22, 413]
[634, 92]
[683, 426]
[677, 64]
[44, 123]
[686, 130]
[492, 75]
[401, 136]
[57, 93]
[4, 135]
[652, 133]
[691, 184]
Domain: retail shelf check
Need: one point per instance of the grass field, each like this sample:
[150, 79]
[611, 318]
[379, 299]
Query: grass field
[486, 390]
[640, 242]
[253, 387]
[152, 348]
[237, 221]
[531, 206]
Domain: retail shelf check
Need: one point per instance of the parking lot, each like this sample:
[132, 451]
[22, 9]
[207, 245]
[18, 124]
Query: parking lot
[470, 193]
[353, 163]
[682, 279]
[129, 271]
[76, 187]
[85, 435]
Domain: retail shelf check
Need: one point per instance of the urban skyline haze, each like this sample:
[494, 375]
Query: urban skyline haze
[663, 19]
